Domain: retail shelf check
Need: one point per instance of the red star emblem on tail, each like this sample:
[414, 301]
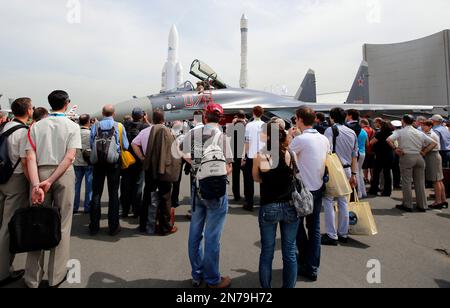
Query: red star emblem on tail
[361, 81]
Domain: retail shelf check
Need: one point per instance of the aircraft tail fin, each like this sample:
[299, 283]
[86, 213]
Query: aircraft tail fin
[307, 91]
[359, 93]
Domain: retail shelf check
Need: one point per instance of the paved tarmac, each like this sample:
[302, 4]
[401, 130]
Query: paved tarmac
[413, 250]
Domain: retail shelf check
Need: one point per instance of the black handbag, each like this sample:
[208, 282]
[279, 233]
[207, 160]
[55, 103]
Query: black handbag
[34, 229]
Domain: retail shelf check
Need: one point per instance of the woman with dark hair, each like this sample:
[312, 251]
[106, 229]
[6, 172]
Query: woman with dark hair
[384, 158]
[273, 168]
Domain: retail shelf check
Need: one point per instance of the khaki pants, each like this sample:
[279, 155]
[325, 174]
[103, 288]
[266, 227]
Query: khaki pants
[412, 169]
[14, 195]
[60, 196]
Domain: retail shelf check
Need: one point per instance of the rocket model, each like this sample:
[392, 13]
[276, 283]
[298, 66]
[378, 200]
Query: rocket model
[244, 52]
[172, 74]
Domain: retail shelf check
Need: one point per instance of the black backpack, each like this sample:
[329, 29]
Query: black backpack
[133, 130]
[6, 165]
[356, 127]
[34, 229]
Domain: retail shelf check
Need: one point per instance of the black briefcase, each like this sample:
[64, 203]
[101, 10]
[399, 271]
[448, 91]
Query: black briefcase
[34, 229]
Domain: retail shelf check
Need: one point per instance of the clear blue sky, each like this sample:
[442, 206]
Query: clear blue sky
[119, 48]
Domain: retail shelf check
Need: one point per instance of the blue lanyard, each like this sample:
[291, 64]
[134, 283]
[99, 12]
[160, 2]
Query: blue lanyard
[57, 115]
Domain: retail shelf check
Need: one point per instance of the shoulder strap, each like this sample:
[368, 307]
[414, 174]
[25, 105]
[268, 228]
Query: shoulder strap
[12, 130]
[217, 138]
[120, 136]
[335, 135]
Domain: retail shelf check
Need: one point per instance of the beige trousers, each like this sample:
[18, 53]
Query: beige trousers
[61, 196]
[14, 195]
[412, 169]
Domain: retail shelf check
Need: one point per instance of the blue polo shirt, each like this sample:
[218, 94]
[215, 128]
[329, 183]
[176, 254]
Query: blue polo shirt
[362, 141]
[444, 137]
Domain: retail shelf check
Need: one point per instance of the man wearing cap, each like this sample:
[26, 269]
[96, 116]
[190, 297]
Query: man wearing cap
[444, 137]
[209, 216]
[132, 184]
[412, 146]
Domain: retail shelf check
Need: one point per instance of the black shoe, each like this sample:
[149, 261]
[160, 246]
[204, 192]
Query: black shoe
[125, 215]
[93, 232]
[237, 199]
[197, 284]
[115, 232]
[248, 207]
[436, 207]
[328, 241]
[310, 277]
[445, 205]
[13, 277]
[343, 240]
[401, 207]
[421, 210]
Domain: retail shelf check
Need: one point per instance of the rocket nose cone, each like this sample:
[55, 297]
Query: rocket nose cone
[174, 31]
[173, 37]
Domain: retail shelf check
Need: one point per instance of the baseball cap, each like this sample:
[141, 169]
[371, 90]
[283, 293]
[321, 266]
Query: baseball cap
[137, 112]
[214, 108]
[437, 118]
[397, 123]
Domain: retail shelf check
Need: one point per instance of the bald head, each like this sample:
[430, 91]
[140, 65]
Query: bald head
[108, 111]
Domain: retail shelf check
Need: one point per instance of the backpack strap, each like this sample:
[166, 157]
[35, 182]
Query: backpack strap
[217, 138]
[120, 125]
[335, 135]
[12, 130]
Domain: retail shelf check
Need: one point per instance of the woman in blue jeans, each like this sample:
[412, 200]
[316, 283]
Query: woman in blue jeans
[272, 168]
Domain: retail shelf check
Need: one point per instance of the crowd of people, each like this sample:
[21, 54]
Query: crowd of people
[142, 161]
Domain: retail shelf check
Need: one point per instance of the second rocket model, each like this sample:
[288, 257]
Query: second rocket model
[244, 52]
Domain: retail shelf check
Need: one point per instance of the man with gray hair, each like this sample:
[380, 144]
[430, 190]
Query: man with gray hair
[444, 137]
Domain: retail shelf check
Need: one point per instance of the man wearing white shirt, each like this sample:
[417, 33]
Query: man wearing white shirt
[413, 145]
[311, 149]
[253, 146]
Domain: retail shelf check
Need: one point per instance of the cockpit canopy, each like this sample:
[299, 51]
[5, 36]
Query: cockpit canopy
[205, 73]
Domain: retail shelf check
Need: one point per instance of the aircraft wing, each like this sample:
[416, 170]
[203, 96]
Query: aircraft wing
[282, 110]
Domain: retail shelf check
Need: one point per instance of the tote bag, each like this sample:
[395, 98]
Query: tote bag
[338, 184]
[362, 221]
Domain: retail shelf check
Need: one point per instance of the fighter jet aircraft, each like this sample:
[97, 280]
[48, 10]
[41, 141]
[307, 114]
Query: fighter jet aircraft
[180, 103]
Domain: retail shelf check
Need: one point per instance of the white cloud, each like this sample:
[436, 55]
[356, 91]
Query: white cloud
[119, 48]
